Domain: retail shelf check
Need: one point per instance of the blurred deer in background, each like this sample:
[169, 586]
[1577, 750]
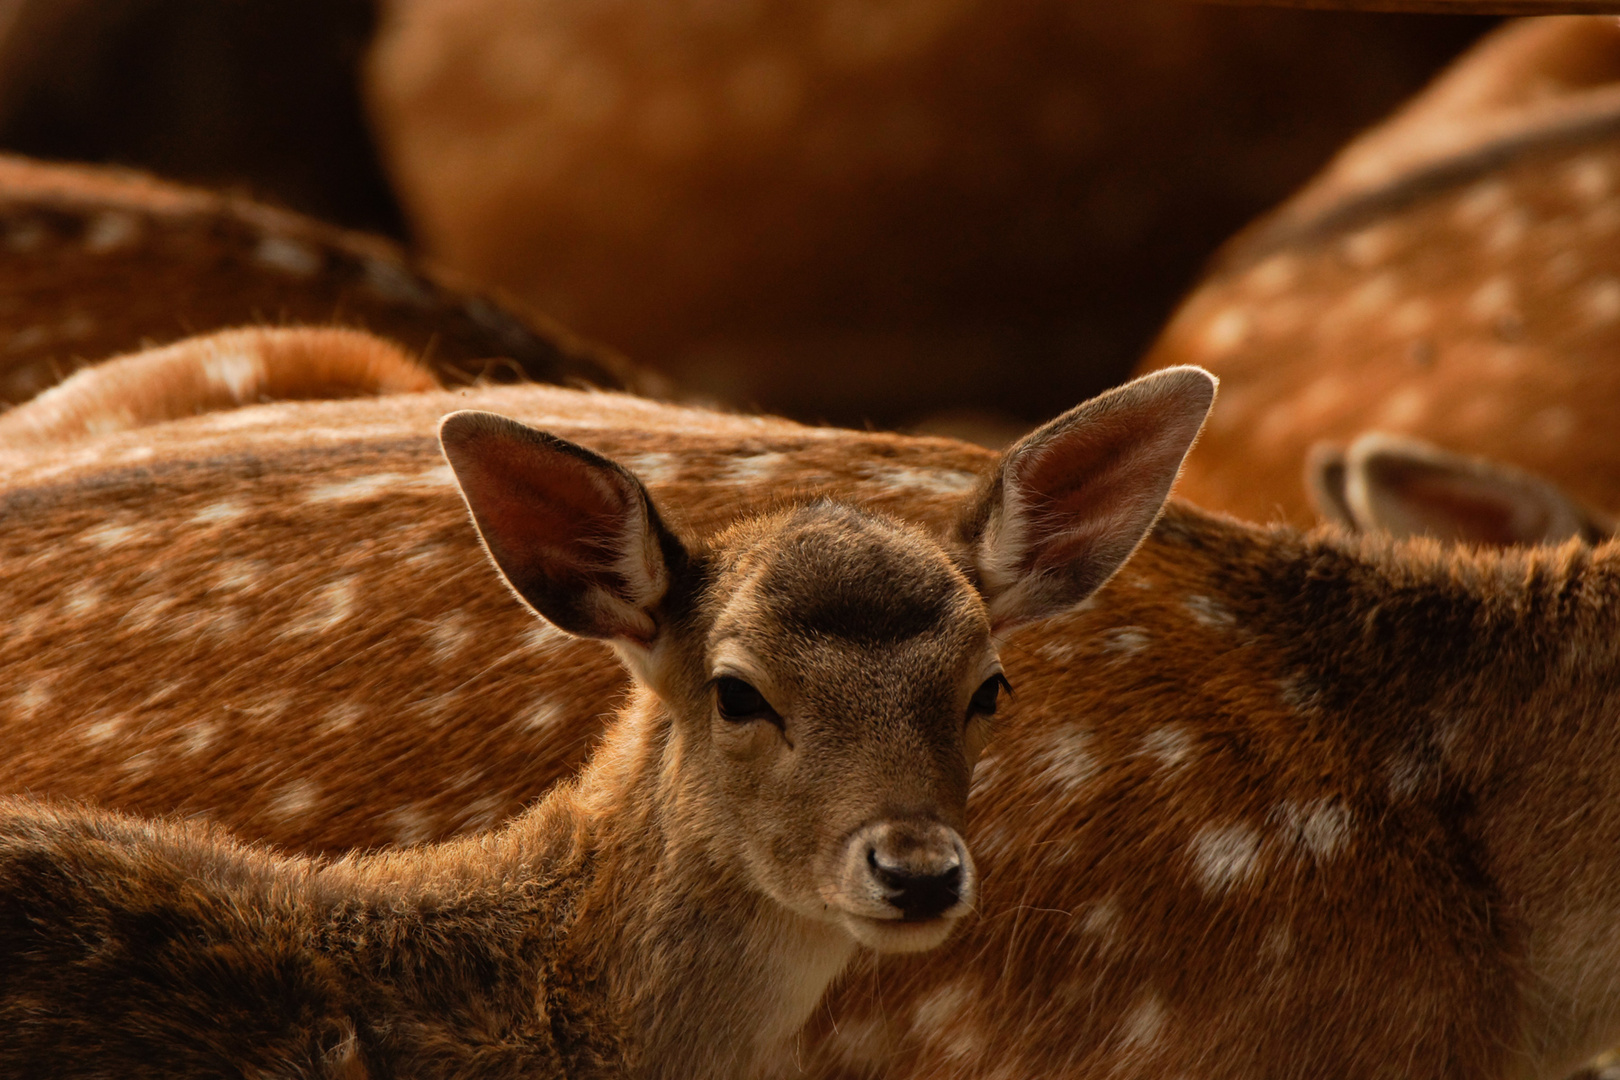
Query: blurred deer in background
[860, 210]
[1453, 277]
[1270, 804]
[812, 690]
[98, 262]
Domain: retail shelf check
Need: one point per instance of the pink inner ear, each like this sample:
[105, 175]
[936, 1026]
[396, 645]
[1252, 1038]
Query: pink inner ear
[1453, 509]
[552, 504]
[1078, 488]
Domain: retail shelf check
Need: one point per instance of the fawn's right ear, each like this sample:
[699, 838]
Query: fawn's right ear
[575, 535]
[1070, 502]
[1409, 487]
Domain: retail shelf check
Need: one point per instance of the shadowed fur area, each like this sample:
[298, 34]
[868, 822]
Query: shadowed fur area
[193, 956]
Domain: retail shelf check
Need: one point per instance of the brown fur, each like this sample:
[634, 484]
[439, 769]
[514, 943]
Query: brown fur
[1392, 753]
[207, 374]
[678, 911]
[98, 262]
[1452, 276]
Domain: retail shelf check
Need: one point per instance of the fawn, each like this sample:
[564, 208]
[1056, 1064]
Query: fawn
[812, 688]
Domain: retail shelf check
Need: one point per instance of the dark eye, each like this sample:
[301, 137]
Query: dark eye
[984, 698]
[739, 701]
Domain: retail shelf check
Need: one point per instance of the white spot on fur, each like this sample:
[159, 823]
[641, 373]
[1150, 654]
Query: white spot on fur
[1278, 942]
[1323, 825]
[81, 600]
[1276, 274]
[295, 799]
[653, 467]
[412, 824]
[1226, 331]
[287, 255]
[1404, 407]
[141, 764]
[752, 468]
[198, 736]
[1405, 775]
[103, 730]
[932, 481]
[1225, 856]
[543, 637]
[1601, 301]
[1589, 178]
[861, 1042]
[1057, 650]
[341, 717]
[239, 374]
[1299, 693]
[1209, 612]
[1101, 921]
[238, 574]
[110, 535]
[334, 602]
[543, 714]
[35, 696]
[219, 513]
[449, 637]
[1493, 299]
[109, 231]
[355, 488]
[1142, 1026]
[1126, 641]
[1065, 757]
[1170, 744]
[944, 1018]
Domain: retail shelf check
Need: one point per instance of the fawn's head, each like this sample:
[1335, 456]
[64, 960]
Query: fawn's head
[829, 674]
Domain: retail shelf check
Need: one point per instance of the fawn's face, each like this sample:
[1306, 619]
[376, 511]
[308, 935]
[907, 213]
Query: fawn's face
[829, 674]
[838, 692]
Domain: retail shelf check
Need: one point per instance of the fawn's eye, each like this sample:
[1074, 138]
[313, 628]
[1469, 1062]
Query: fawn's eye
[985, 697]
[739, 702]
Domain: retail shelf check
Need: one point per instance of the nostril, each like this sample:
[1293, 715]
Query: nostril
[925, 895]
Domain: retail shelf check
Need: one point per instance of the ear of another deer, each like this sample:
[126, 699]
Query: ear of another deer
[1324, 484]
[1410, 487]
[574, 534]
[1069, 503]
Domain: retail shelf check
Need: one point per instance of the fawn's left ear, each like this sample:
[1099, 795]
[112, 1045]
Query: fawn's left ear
[1070, 502]
[574, 534]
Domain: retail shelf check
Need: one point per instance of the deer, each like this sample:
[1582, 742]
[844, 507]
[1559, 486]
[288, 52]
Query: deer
[1270, 802]
[786, 781]
[1448, 278]
[213, 372]
[100, 262]
[791, 209]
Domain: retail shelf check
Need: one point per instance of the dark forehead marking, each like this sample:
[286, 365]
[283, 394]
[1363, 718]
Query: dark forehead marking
[840, 573]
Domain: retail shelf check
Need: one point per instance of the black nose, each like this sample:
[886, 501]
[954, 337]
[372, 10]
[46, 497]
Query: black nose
[919, 896]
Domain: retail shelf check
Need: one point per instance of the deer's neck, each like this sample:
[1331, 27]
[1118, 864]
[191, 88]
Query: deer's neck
[708, 976]
[1477, 691]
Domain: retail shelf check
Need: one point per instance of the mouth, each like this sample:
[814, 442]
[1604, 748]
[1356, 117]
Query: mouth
[912, 934]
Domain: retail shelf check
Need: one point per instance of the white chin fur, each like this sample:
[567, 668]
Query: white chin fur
[895, 936]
